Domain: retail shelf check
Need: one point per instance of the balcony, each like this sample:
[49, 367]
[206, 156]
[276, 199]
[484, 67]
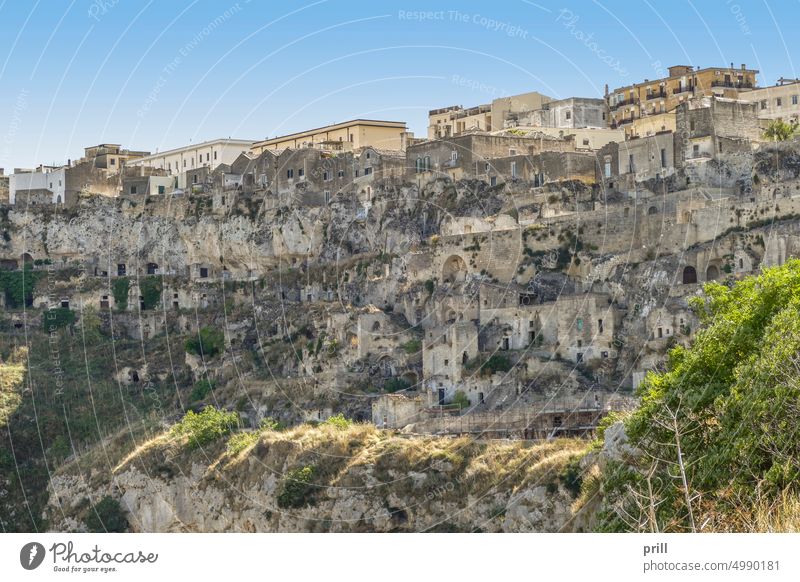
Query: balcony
[732, 85]
[658, 95]
[622, 104]
[680, 90]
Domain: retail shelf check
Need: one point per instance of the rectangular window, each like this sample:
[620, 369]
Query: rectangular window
[121, 270]
[327, 196]
[513, 169]
[695, 150]
[632, 167]
[600, 325]
[579, 323]
[113, 161]
[161, 189]
[763, 104]
[453, 156]
[184, 163]
[208, 157]
[794, 99]
[326, 176]
[569, 115]
[663, 157]
[290, 173]
[300, 172]
[778, 102]
[215, 155]
[367, 171]
[203, 272]
[133, 189]
[341, 173]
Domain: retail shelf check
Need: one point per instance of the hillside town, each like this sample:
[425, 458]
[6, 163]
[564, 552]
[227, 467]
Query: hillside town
[515, 273]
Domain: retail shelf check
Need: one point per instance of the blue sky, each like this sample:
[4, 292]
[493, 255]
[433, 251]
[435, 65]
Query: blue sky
[155, 75]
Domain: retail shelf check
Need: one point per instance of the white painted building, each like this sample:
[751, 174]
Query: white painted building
[207, 154]
[43, 178]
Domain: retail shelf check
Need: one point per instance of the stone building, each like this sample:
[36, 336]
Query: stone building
[713, 126]
[631, 103]
[781, 101]
[570, 113]
[182, 161]
[455, 120]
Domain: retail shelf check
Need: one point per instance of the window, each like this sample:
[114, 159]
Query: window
[604, 355]
[660, 332]
[691, 125]
[794, 99]
[427, 162]
[580, 343]
[632, 167]
[600, 325]
[184, 163]
[586, 141]
[326, 176]
[505, 343]
[663, 157]
[161, 189]
[569, 114]
[121, 270]
[368, 154]
[512, 152]
[113, 161]
[215, 155]
[203, 272]
[341, 173]
[778, 102]
[513, 169]
[133, 189]
[327, 196]
[695, 150]
[486, 167]
[763, 104]
[193, 161]
[169, 166]
[194, 179]
[367, 171]
[580, 324]
[493, 181]
[357, 171]
[453, 156]
[578, 359]
[300, 172]
[290, 173]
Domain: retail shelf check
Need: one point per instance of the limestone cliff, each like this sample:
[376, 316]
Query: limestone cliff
[361, 480]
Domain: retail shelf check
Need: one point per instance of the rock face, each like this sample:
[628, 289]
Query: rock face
[384, 484]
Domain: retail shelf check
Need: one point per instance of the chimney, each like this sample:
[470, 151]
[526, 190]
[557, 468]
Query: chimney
[744, 66]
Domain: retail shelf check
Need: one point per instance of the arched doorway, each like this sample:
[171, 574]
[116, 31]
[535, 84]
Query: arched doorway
[652, 210]
[454, 270]
[689, 275]
[712, 273]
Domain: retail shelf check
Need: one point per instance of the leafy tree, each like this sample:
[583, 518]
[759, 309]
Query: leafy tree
[209, 342]
[779, 130]
[18, 286]
[107, 517]
[717, 430]
[205, 427]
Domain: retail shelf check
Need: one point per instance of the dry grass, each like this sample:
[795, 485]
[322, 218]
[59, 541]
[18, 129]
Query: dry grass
[12, 374]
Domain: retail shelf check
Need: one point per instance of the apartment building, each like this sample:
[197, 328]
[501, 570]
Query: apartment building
[781, 101]
[632, 106]
[346, 136]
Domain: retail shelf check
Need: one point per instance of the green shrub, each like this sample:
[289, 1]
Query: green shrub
[339, 421]
[209, 342]
[205, 427]
[150, 289]
[107, 516]
[18, 286]
[270, 423]
[430, 286]
[412, 346]
[487, 367]
[54, 319]
[120, 288]
[201, 389]
[395, 384]
[460, 399]
[241, 441]
[297, 489]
